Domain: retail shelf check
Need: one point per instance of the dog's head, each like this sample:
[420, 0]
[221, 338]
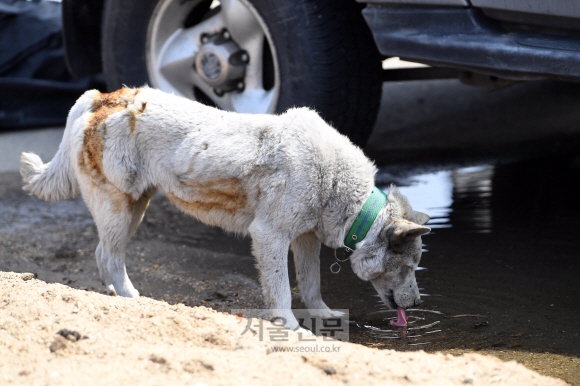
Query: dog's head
[391, 252]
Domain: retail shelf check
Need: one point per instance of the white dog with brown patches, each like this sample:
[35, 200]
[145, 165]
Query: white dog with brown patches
[289, 181]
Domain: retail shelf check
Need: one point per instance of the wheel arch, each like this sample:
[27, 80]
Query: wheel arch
[346, 92]
[82, 25]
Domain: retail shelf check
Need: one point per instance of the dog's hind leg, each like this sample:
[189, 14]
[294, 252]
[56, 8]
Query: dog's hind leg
[117, 216]
[138, 212]
[306, 250]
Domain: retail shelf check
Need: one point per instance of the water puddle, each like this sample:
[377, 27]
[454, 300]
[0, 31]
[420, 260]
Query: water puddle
[499, 271]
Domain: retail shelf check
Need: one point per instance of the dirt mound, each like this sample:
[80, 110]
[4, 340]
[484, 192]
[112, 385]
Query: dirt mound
[53, 334]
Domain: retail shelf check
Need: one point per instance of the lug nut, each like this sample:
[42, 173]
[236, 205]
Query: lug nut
[218, 92]
[204, 38]
[245, 57]
[241, 86]
[226, 35]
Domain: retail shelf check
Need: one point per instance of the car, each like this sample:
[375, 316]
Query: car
[265, 56]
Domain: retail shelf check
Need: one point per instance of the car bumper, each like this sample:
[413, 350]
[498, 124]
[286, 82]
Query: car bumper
[464, 38]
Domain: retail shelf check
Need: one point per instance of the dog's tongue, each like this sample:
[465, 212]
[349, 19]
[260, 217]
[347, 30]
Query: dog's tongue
[401, 318]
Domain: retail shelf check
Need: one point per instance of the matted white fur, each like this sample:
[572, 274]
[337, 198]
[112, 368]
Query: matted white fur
[289, 181]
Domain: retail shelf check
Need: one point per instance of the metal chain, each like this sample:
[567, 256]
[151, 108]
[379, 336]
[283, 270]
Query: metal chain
[337, 263]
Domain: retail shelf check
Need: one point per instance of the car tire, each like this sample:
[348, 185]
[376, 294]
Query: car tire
[326, 56]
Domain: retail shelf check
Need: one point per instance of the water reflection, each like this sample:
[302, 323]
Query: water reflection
[514, 197]
[472, 191]
[430, 193]
[439, 193]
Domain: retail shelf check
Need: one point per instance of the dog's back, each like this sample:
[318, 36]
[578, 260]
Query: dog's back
[218, 166]
[275, 177]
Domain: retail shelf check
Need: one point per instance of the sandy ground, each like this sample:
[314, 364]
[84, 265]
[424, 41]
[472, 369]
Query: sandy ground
[148, 342]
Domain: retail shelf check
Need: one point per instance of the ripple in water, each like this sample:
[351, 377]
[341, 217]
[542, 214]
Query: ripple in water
[420, 323]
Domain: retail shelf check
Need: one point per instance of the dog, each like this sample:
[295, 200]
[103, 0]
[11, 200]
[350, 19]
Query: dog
[290, 181]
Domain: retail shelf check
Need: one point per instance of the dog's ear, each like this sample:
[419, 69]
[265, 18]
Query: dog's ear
[403, 230]
[421, 218]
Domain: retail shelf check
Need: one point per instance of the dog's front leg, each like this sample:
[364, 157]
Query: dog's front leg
[270, 249]
[306, 250]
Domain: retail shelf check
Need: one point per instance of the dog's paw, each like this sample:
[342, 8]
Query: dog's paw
[129, 293]
[111, 290]
[327, 313]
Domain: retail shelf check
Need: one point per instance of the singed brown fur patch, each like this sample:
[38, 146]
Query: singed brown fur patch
[132, 121]
[91, 157]
[133, 116]
[224, 195]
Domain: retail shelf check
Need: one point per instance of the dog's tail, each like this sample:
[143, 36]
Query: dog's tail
[55, 180]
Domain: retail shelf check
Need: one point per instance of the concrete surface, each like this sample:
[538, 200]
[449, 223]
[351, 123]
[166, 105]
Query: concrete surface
[445, 116]
[43, 142]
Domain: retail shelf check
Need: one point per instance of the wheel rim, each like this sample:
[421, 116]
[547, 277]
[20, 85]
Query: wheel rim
[225, 57]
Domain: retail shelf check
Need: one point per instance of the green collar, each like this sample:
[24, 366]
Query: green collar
[364, 220]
